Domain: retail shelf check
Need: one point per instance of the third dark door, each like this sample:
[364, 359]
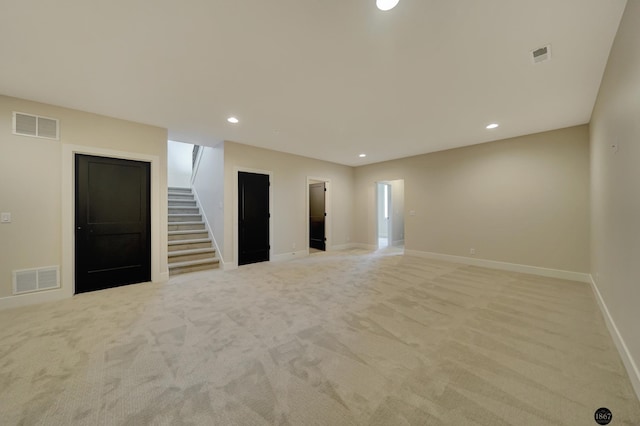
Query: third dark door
[253, 218]
[317, 216]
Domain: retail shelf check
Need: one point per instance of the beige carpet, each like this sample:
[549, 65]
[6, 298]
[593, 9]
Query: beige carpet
[354, 338]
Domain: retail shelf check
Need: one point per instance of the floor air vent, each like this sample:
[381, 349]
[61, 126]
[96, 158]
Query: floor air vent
[30, 280]
[35, 126]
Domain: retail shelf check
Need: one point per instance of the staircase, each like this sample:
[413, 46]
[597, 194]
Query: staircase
[190, 247]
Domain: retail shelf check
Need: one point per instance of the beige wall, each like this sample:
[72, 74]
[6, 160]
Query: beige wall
[208, 184]
[523, 200]
[615, 184]
[32, 175]
[289, 220]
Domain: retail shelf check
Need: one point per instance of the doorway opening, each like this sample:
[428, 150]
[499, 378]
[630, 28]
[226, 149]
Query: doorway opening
[318, 214]
[390, 214]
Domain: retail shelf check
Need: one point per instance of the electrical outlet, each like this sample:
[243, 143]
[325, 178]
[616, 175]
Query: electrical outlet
[5, 217]
[472, 251]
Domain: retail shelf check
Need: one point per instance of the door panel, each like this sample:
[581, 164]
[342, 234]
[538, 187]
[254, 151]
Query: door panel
[253, 218]
[113, 222]
[317, 216]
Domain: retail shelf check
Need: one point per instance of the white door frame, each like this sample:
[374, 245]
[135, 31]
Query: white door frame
[159, 268]
[390, 211]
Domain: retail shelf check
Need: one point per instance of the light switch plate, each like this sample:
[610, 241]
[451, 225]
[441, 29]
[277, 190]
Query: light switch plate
[5, 217]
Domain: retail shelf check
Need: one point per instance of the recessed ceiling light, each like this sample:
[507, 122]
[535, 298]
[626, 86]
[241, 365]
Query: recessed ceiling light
[233, 120]
[492, 126]
[386, 4]
[362, 155]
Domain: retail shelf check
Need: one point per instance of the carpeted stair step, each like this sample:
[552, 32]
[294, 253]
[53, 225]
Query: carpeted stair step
[179, 189]
[184, 218]
[189, 244]
[189, 234]
[192, 266]
[193, 254]
[180, 196]
[186, 226]
[184, 210]
[181, 203]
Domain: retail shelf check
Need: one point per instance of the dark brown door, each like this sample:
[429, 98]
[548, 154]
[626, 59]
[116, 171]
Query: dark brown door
[253, 218]
[113, 218]
[317, 216]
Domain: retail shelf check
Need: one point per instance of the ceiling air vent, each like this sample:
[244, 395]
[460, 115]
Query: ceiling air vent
[35, 126]
[541, 54]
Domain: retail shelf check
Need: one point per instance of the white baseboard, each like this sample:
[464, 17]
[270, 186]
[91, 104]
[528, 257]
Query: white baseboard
[349, 246]
[342, 247]
[282, 257]
[163, 277]
[289, 256]
[505, 266]
[229, 266]
[627, 359]
[366, 246]
[33, 298]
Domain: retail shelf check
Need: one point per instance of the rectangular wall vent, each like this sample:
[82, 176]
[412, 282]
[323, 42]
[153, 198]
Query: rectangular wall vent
[35, 126]
[30, 280]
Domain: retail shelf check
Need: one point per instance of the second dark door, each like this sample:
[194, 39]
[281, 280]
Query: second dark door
[113, 223]
[317, 216]
[253, 218]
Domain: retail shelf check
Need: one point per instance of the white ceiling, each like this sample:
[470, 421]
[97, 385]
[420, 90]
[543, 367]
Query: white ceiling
[327, 79]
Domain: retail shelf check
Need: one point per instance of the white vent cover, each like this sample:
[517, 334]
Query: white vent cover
[35, 126]
[29, 280]
[541, 54]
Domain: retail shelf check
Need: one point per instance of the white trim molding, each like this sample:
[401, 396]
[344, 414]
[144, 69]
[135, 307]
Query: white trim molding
[505, 266]
[350, 246]
[627, 359]
[283, 257]
[26, 299]
[209, 229]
